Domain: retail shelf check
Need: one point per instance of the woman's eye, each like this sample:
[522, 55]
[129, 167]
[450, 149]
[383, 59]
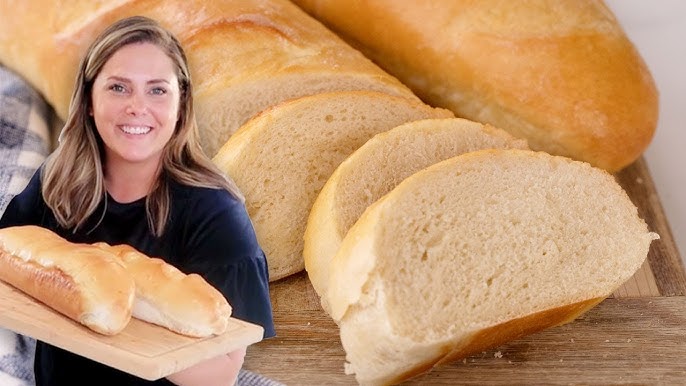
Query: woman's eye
[117, 88]
[159, 91]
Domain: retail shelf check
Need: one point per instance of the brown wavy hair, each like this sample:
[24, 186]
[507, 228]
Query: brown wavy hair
[73, 177]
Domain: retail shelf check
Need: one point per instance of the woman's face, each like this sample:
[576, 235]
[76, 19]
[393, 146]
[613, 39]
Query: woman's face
[135, 101]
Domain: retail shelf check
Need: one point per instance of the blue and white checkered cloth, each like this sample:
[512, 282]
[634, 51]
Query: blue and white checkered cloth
[25, 142]
[24, 134]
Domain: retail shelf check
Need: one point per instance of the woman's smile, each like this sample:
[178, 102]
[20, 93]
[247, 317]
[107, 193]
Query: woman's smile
[135, 130]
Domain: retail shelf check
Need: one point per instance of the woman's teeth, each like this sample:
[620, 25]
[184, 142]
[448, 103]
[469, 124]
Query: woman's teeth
[135, 129]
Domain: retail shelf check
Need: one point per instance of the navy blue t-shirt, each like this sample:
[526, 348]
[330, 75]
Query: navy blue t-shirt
[208, 233]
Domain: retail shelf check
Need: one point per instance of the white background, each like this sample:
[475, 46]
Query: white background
[658, 30]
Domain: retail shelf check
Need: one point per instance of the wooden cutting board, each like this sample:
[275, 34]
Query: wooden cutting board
[142, 349]
[638, 336]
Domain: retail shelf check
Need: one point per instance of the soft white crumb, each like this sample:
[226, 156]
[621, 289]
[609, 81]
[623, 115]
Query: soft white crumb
[498, 354]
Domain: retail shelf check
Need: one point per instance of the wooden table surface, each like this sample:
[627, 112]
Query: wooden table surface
[638, 336]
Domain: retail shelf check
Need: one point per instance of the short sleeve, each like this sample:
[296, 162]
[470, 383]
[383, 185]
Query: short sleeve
[245, 285]
[221, 246]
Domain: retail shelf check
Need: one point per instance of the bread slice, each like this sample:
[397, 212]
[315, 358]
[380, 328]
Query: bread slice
[282, 158]
[375, 169]
[244, 55]
[475, 251]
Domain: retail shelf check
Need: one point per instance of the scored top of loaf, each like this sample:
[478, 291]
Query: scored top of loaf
[166, 296]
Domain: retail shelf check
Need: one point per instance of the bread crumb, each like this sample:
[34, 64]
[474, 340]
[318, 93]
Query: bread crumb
[308, 323]
[572, 340]
[639, 180]
[464, 360]
[560, 359]
[498, 354]
[628, 340]
[607, 340]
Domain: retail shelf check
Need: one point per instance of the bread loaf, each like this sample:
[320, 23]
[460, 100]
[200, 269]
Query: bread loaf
[375, 169]
[244, 55]
[165, 296]
[475, 251]
[281, 159]
[80, 281]
[561, 74]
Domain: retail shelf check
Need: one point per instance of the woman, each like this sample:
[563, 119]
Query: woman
[129, 170]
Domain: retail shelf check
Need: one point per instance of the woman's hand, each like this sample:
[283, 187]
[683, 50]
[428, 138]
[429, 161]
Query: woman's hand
[221, 370]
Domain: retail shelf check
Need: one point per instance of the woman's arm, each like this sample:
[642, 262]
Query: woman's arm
[221, 370]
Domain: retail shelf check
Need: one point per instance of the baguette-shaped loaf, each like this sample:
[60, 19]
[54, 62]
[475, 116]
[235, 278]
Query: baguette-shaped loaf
[475, 251]
[186, 304]
[561, 74]
[81, 281]
[374, 170]
[281, 159]
[244, 55]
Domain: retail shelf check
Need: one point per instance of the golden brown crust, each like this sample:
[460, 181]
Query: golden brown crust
[36, 281]
[78, 280]
[186, 304]
[563, 75]
[247, 54]
[497, 335]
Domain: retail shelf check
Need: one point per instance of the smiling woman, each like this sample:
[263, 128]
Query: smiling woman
[135, 107]
[129, 170]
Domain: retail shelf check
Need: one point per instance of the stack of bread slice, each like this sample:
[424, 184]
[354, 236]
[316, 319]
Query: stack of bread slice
[375, 169]
[281, 159]
[430, 237]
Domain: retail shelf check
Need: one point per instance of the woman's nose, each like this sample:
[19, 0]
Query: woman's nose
[136, 104]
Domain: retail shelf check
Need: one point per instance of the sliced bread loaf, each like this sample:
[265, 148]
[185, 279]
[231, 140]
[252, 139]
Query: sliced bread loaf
[375, 169]
[475, 251]
[281, 159]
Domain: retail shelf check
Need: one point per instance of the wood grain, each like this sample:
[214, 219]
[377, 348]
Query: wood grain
[142, 349]
[664, 260]
[629, 340]
[638, 336]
